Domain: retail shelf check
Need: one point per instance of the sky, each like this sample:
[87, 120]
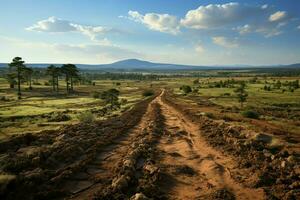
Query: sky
[192, 32]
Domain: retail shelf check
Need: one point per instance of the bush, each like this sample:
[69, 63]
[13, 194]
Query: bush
[250, 114]
[186, 89]
[59, 117]
[226, 94]
[123, 101]
[86, 117]
[96, 95]
[148, 93]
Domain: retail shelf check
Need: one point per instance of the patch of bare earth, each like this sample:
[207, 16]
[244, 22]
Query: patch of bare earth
[192, 169]
[258, 160]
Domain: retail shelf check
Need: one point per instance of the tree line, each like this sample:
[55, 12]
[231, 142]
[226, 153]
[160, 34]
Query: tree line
[19, 72]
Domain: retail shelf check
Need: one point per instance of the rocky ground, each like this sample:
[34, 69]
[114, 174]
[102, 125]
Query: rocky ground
[158, 150]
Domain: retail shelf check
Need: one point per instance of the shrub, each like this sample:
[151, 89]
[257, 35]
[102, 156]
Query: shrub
[226, 94]
[148, 93]
[86, 117]
[210, 115]
[186, 89]
[96, 95]
[250, 114]
[59, 117]
[123, 101]
[4, 98]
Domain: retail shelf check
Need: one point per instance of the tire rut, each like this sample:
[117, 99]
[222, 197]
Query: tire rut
[193, 169]
[98, 175]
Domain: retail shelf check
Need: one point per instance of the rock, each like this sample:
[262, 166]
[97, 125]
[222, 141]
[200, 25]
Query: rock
[139, 196]
[292, 159]
[36, 174]
[263, 138]
[283, 164]
[273, 157]
[233, 132]
[36, 160]
[5, 180]
[151, 168]
[267, 153]
[129, 164]
[295, 185]
[120, 183]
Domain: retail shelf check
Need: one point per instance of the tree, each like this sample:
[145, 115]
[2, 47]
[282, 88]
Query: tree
[11, 78]
[17, 64]
[57, 73]
[28, 75]
[71, 72]
[241, 93]
[186, 89]
[111, 97]
[53, 72]
[36, 75]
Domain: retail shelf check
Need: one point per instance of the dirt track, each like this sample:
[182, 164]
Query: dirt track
[154, 152]
[195, 169]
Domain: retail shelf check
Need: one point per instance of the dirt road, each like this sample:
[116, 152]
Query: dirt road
[153, 151]
[194, 169]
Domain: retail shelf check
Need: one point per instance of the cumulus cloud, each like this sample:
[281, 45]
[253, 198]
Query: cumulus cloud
[219, 15]
[278, 16]
[159, 22]
[52, 24]
[298, 27]
[225, 42]
[56, 25]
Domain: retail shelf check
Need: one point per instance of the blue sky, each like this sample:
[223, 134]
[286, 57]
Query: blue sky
[174, 31]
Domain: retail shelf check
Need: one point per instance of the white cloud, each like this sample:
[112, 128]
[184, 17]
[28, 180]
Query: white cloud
[159, 22]
[298, 27]
[225, 42]
[219, 15]
[199, 48]
[245, 29]
[109, 52]
[56, 25]
[52, 24]
[265, 6]
[278, 16]
[40, 52]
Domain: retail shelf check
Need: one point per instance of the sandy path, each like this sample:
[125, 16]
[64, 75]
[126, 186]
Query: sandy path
[194, 169]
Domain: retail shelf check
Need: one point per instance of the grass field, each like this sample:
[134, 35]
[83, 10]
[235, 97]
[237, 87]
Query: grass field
[34, 111]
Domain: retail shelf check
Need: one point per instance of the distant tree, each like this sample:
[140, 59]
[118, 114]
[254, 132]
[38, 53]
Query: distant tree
[28, 71]
[278, 84]
[111, 98]
[17, 64]
[196, 81]
[11, 78]
[71, 72]
[36, 75]
[241, 93]
[53, 72]
[186, 89]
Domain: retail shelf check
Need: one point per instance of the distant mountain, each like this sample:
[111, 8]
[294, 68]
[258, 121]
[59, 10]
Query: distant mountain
[135, 64]
[131, 64]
